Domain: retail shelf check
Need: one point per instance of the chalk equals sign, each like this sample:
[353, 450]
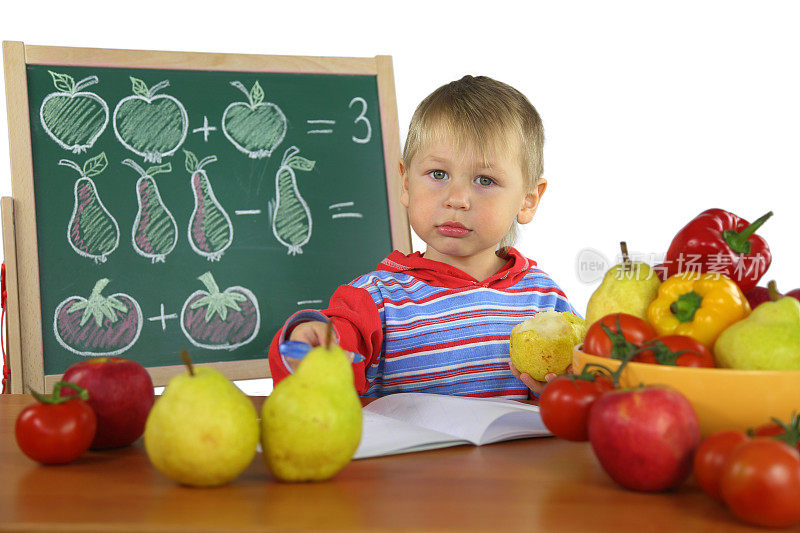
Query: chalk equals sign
[343, 215]
[323, 123]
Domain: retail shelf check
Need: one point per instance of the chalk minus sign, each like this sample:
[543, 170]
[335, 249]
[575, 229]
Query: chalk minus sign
[248, 211]
[305, 302]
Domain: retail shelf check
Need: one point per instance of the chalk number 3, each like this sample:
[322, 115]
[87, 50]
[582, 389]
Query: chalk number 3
[360, 118]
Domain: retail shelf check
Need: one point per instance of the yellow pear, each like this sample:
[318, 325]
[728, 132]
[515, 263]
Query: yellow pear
[311, 423]
[629, 288]
[202, 431]
[543, 343]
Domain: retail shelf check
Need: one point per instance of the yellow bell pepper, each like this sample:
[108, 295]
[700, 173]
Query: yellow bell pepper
[697, 305]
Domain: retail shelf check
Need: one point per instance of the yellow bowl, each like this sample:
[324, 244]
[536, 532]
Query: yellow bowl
[723, 398]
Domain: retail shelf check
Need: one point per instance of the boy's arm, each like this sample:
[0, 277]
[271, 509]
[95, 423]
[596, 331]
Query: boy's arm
[356, 323]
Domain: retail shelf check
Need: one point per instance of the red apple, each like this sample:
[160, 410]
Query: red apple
[758, 295]
[121, 395]
[644, 437]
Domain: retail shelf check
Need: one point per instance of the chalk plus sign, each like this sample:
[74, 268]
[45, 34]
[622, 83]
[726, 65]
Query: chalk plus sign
[163, 318]
[206, 129]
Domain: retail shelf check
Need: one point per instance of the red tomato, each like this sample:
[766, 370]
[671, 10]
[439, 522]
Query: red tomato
[676, 350]
[56, 430]
[617, 335]
[565, 403]
[710, 458]
[760, 483]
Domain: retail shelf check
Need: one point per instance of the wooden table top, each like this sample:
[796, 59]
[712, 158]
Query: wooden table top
[541, 485]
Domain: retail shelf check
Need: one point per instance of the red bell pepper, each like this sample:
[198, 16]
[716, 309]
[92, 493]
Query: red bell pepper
[721, 242]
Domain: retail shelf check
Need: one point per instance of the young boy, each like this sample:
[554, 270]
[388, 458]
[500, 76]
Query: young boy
[439, 322]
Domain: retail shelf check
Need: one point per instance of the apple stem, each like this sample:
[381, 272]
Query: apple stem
[187, 361]
[774, 295]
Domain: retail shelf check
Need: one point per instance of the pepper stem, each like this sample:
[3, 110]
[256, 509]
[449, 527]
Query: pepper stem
[738, 240]
[774, 295]
[685, 306]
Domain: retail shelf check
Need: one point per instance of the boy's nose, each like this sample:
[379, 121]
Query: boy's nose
[457, 197]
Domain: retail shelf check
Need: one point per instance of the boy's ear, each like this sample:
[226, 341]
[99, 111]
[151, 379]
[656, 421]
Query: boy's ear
[531, 201]
[403, 185]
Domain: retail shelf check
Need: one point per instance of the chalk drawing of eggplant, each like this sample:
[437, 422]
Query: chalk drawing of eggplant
[210, 227]
[150, 125]
[220, 320]
[92, 231]
[155, 231]
[98, 325]
[254, 127]
[73, 118]
[291, 221]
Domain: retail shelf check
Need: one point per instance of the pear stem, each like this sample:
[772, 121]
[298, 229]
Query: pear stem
[774, 295]
[187, 361]
[626, 260]
[328, 334]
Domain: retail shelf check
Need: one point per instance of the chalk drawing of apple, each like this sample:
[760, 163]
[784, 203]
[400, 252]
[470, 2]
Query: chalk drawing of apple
[220, 320]
[73, 118]
[148, 124]
[98, 325]
[254, 127]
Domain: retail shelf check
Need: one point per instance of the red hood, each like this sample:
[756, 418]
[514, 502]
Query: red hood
[444, 275]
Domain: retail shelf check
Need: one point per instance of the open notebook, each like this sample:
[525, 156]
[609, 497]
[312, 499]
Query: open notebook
[412, 422]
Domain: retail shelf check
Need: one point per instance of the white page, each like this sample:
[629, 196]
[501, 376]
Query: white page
[382, 435]
[464, 418]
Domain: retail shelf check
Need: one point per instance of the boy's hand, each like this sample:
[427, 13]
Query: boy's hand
[312, 333]
[535, 386]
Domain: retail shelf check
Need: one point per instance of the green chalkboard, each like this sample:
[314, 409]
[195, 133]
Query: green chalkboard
[198, 209]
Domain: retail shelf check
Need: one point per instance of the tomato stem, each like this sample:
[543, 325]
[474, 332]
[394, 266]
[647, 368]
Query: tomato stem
[56, 398]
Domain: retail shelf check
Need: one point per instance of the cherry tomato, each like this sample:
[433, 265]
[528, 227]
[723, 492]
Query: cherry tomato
[710, 458]
[617, 336]
[676, 350]
[56, 430]
[760, 483]
[565, 403]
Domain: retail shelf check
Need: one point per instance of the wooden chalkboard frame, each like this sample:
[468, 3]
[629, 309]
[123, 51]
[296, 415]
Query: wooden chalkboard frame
[19, 217]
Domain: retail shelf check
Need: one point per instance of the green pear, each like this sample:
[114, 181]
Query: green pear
[543, 343]
[311, 423]
[202, 431]
[629, 288]
[768, 339]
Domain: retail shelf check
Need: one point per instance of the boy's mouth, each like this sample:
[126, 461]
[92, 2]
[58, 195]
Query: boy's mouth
[453, 229]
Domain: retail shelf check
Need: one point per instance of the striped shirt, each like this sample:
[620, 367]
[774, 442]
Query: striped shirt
[425, 326]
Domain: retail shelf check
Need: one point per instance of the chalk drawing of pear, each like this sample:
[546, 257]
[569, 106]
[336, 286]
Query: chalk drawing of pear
[92, 231]
[210, 228]
[150, 125]
[155, 231]
[73, 118]
[291, 222]
[254, 127]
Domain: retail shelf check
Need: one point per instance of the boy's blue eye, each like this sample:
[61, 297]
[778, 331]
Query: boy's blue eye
[486, 181]
[438, 174]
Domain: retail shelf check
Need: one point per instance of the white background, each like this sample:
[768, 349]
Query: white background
[653, 112]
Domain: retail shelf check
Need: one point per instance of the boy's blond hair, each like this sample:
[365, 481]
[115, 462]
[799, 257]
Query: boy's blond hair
[487, 114]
